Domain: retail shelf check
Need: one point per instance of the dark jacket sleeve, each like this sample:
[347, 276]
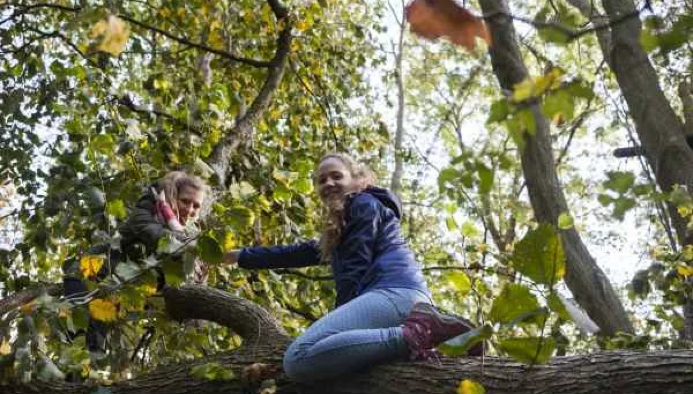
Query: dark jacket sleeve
[142, 228]
[281, 256]
[361, 231]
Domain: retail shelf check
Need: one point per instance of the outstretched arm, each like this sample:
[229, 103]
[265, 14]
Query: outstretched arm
[280, 256]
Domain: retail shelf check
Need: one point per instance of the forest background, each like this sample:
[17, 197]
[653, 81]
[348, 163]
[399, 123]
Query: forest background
[502, 154]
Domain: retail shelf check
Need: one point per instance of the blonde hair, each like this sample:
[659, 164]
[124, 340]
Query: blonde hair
[173, 182]
[333, 209]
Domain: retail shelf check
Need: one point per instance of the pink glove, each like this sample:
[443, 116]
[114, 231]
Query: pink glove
[164, 210]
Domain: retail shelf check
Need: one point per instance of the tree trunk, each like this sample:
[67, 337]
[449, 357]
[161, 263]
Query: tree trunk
[659, 129]
[585, 279]
[663, 372]
[396, 183]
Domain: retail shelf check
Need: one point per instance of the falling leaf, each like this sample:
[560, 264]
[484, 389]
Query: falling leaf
[114, 34]
[103, 310]
[90, 265]
[432, 19]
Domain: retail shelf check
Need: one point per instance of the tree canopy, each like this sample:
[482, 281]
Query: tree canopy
[495, 122]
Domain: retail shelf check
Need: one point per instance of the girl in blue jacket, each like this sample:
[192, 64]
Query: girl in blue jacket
[383, 308]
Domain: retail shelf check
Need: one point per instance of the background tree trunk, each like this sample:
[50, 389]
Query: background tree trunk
[586, 280]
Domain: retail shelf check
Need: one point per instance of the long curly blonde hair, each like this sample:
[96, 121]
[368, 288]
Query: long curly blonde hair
[333, 219]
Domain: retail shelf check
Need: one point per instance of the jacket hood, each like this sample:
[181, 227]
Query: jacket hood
[387, 198]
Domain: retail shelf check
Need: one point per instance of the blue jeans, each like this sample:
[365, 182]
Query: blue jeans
[364, 331]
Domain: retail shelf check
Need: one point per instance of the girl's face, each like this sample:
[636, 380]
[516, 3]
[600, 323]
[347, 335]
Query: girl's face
[334, 179]
[189, 203]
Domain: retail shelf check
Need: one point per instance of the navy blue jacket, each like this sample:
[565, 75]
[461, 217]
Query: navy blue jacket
[372, 253]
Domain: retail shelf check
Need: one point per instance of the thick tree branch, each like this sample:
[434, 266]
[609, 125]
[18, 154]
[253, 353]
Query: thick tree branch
[661, 372]
[27, 295]
[249, 320]
[185, 41]
[570, 33]
[220, 159]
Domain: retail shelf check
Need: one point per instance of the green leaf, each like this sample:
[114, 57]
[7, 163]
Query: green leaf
[461, 282]
[621, 206]
[168, 244]
[239, 217]
[450, 223]
[303, 185]
[539, 255]
[485, 178]
[209, 250]
[526, 119]
[557, 306]
[499, 111]
[173, 272]
[281, 192]
[619, 181]
[514, 301]
[533, 350]
[565, 221]
[127, 270]
[459, 345]
[560, 102]
[554, 35]
[103, 143]
[116, 208]
[469, 229]
[447, 176]
[80, 317]
[212, 371]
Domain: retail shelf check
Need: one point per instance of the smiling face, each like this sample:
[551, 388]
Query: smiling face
[334, 179]
[189, 203]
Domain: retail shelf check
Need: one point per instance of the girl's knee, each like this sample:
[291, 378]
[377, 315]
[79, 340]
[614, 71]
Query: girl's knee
[294, 368]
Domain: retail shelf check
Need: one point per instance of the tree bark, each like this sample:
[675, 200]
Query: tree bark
[396, 183]
[585, 279]
[659, 129]
[664, 372]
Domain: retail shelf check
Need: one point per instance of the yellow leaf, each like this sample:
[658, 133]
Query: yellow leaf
[535, 87]
[470, 387]
[181, 12]
[684, 210]
[5, 348]
[523, 90]
[248, 17]
[90, 265]
[98, 29]
[64, 312]
[147, 289]
[114, 34]
[301, 25]
[28, 307]
[230, 242]
[684, 270]
[688, 252]
[103, 310]
[215, 39]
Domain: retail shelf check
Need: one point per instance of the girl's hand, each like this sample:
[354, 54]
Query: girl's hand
[230, 258]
